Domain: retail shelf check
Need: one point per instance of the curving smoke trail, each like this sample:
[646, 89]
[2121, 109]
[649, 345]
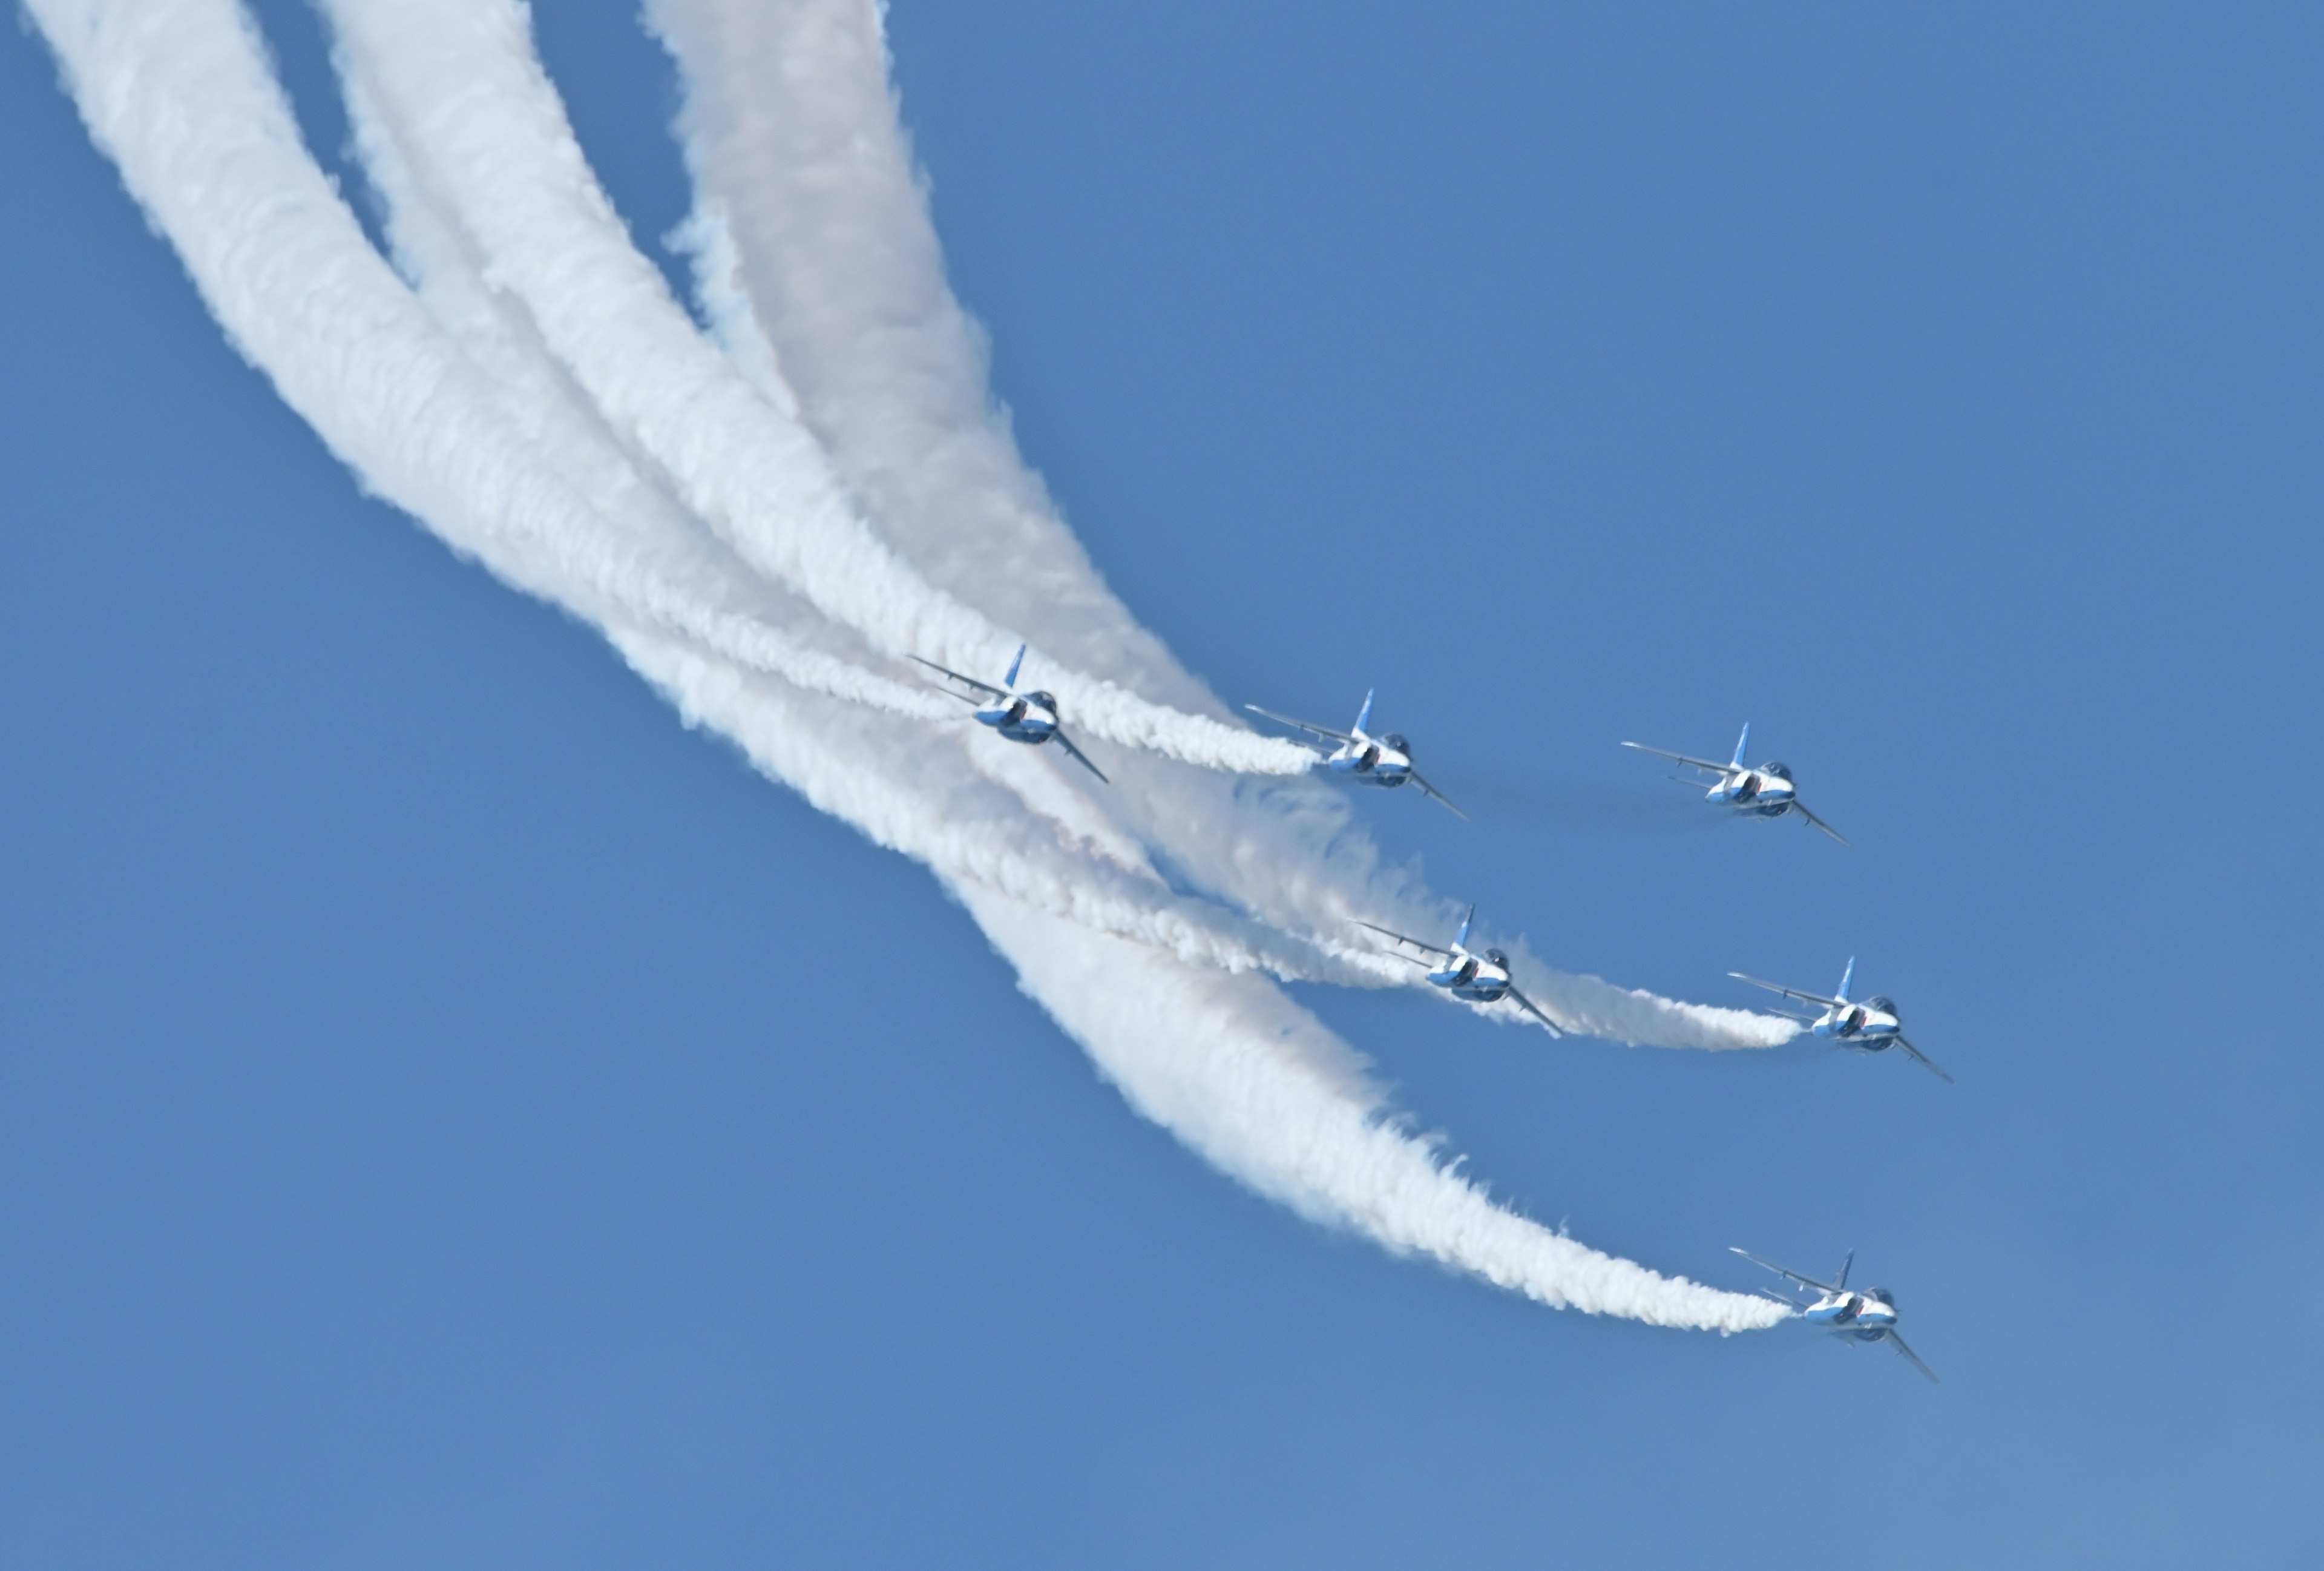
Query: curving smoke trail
[181, 97]
[814, 231]
[462, 91]
[442, 402]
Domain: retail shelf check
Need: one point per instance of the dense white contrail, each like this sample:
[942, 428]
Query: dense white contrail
[1261, 1089]
[409, 43]
[814, 231]
[178, 91]
[931, 822]
[288, 273]
[445, 414]
[484, 128]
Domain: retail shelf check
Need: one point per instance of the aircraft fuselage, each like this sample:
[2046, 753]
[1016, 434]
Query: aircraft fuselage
[1478, 978]
[1371, 761]
[1868, 1027]
[1030, 717]
[1764, 792]
[1868, 1317]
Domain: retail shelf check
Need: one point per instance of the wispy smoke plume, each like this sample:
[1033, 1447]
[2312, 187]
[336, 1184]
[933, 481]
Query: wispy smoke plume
[527, 388]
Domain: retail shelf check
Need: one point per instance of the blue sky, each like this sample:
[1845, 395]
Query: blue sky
[435, 1122]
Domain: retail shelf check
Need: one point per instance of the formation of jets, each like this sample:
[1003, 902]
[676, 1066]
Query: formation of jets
[1764, 790]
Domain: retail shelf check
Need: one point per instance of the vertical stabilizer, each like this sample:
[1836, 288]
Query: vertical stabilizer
[1843, 1270]
[1461, 938]
[1742, 742]
[1364, 715]
[1009, 681]
[1846, 978]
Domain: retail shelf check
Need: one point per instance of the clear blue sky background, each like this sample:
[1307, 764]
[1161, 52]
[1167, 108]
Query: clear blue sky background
[436, 1124]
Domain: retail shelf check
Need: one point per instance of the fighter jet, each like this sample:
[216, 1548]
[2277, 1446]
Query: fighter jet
[1028, 717]
[1867, 1317]
[1478, 978]
[1764, 792]
[1871, 1027]
[1367, 759]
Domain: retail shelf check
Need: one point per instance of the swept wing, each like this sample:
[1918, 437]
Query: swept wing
[1784, 1270]
[1911, 1357]
[1927, 1063]
[1716, 768]
[1416, 943]
[1323, 731]
[1816, 998]
[1414, 776]
[1801, 808]
[1058, 736]
[1532, 1008]
[965, 681]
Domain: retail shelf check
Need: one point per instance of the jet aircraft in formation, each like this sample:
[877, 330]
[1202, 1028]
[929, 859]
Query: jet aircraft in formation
[1477, 978]
[1869, 1316]
[1029, 718]
[1378, 760]
[1872, 1026]
[1759, 791]
[1762, 790]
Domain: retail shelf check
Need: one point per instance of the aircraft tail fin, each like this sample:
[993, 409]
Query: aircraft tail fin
[1742, 743]
[1844, 1264]
[1009, 681]
[1462, 938]
[1364, 715]
[1846, 978]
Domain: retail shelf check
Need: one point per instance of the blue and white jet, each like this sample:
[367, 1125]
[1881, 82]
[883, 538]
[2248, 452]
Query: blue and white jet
[1761, 790]
[1367, 759]
[1029, 718]
[1869, 1316]
[1475, 978]
[1872, 1026]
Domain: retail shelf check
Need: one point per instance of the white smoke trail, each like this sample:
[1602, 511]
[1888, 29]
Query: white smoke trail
[933, 825]
[1226, 1062]
[286, 271]
[459, 84]
[1233, 1067]
[177, 91]
[185, 103]
[792, 131]
[1202, 848]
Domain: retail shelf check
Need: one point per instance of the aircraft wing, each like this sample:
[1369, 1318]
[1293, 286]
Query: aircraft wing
[1324, 730]
[1787, 1272]
[1682, 758]
[1532, 1008]
[1911, 1358]
[1792, 991]
[1926, 1062]
[965, 681]
[1801, 808]
[1400, 938]
[1440, 796]
[1079, 756]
